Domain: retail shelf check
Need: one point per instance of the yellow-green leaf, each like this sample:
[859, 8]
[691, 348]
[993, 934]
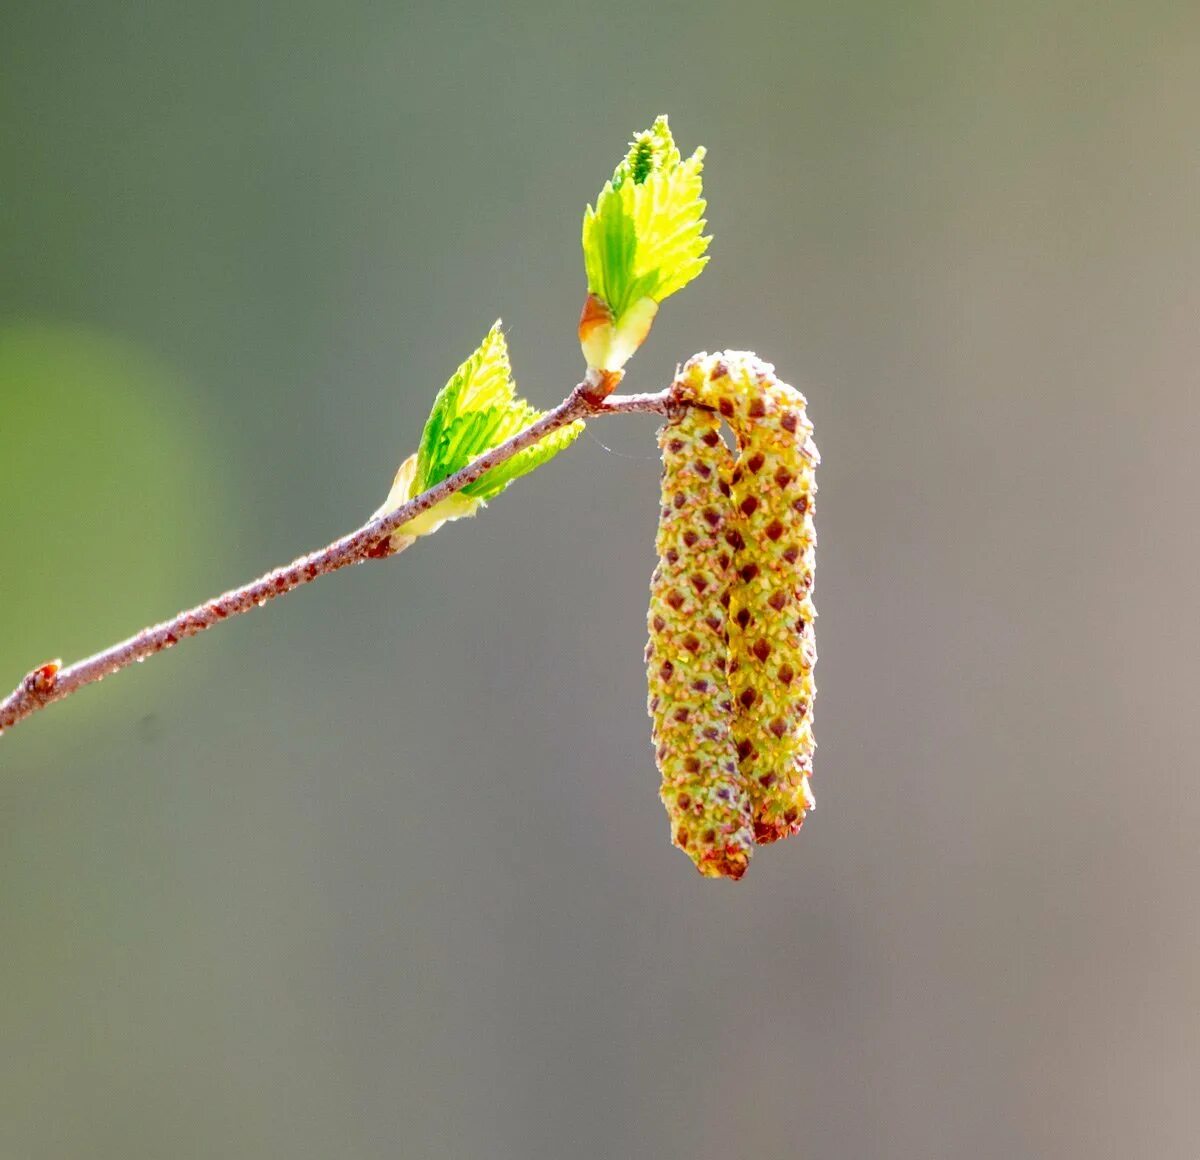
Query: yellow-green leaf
[475, 411]
[643, 241]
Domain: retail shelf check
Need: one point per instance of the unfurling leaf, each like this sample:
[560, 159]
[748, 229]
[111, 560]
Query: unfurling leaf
[642, 242]
[474, 412]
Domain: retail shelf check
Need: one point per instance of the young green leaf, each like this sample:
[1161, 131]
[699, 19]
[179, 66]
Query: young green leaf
[474, 412]
[642, 242]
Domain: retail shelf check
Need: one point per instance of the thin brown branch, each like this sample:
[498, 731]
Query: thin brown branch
[52, 682]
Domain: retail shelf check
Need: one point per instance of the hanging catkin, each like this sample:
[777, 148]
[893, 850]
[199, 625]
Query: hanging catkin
[771, 643]
[686, 657]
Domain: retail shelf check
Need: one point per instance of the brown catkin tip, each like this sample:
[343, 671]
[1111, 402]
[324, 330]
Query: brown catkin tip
[686, 658]
[772, 649]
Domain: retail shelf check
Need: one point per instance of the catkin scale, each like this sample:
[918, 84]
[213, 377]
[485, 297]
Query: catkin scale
[686, 657]
[770, 531]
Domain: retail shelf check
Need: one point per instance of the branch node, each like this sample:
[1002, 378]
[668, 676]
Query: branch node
[380, 550]
[598, 385]
[41, 681]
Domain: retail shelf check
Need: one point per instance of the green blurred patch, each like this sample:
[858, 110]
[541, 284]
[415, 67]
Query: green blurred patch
[108, 494]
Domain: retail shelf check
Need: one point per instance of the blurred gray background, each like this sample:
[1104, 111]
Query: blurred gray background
[381, 871]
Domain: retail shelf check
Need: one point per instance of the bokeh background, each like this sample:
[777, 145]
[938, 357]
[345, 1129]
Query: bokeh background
[381, 871]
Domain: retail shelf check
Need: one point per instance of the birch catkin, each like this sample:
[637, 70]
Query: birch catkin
[686, 657]
[771, 643]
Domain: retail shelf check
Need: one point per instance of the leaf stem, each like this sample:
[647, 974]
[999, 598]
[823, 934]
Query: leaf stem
[52, 681]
